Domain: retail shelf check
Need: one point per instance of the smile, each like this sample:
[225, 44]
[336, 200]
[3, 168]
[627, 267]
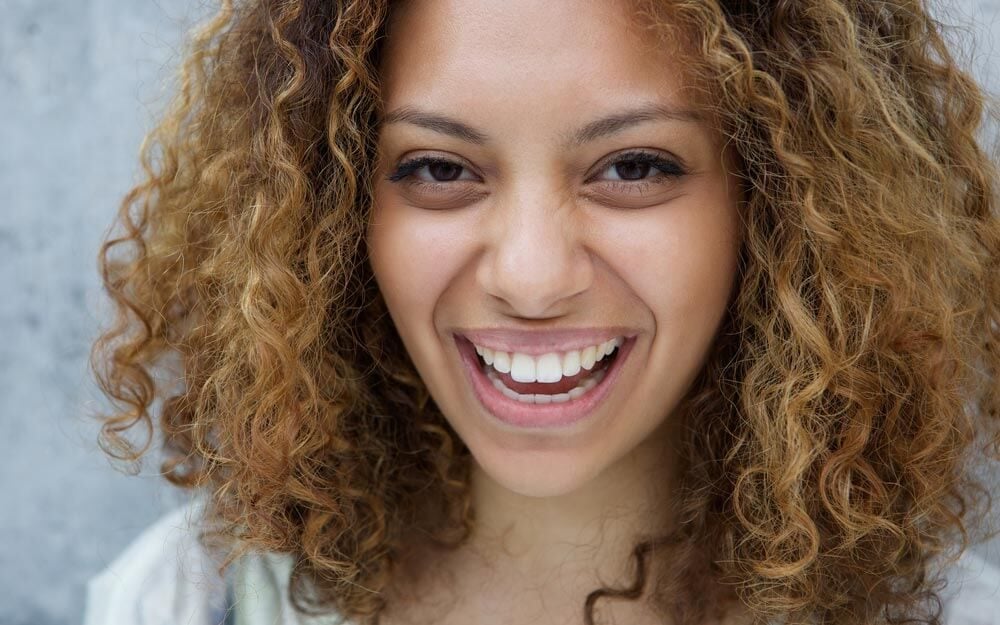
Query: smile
[551, 390]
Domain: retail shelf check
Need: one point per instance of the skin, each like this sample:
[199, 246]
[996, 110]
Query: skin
[535, 232]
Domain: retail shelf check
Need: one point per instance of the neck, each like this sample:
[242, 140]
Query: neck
[550, 552]
[563, 547]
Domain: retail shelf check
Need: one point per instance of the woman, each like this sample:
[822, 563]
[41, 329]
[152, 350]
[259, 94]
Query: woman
[560, 312]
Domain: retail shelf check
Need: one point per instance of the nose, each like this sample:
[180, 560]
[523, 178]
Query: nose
[537, 259]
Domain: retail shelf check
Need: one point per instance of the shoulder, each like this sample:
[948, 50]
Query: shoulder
[164, 576]
[260, 593]
[972, 596]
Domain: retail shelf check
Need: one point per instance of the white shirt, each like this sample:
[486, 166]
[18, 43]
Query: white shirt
[165, 577]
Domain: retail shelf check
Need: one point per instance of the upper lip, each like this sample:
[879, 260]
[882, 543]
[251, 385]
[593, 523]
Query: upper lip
[538, 342]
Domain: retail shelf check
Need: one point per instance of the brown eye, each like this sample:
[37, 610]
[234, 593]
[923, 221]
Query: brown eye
[631, 170]
[640, 166]
[635, 178]
[443, 171]
[438, 183]
[432, 169]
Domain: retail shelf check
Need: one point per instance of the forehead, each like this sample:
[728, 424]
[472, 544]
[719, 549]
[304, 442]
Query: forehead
[460, 52]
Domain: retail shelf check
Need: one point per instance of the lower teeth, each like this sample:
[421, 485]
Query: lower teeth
[539, 398]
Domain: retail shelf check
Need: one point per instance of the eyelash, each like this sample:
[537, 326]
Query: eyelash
[666, 167]
[407, 168]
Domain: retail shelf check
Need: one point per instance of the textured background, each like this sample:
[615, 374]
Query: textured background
[80, 81]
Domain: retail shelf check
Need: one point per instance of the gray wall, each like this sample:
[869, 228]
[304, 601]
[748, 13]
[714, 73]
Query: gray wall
[79, 83]
[79, 80]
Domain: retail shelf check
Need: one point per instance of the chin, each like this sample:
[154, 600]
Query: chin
[541, 473]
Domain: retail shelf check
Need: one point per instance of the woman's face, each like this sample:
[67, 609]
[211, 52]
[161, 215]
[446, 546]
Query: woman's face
[546, 186]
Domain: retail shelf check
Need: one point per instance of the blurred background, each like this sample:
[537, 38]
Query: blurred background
[81, 81]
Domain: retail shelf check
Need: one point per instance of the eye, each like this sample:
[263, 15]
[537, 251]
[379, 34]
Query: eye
[636, 178]
[437, 182]
[639, 166]
[432, 169]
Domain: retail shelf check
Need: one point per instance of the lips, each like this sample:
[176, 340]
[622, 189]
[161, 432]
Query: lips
[517, 414]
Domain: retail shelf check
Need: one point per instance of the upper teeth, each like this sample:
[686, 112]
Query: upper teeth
[549, 367]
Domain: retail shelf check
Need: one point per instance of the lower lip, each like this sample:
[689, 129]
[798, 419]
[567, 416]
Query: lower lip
[539, 416]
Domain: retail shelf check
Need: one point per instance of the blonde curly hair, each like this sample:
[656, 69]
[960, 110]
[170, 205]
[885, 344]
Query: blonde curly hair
[830, 441]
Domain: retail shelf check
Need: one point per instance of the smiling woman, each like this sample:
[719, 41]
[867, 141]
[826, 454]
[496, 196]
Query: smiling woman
[593, 210]
[559, 312]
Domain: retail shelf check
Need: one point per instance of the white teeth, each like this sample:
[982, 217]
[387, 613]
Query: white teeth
[571, 363]
[522, 367]
[547, 368]
[501, 361]
[541, 398]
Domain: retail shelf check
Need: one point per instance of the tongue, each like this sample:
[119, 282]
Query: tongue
[564, 385]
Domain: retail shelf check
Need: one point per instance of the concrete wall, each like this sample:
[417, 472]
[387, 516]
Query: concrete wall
[79, 83]
[79, 80]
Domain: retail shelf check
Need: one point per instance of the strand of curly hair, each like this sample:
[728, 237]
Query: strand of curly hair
[828, 444]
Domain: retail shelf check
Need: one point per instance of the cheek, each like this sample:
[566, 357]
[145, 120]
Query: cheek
[681, 258]
[415, 254]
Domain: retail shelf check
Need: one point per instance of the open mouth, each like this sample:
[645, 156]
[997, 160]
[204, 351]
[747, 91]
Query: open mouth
[522, 400]
[567, 388]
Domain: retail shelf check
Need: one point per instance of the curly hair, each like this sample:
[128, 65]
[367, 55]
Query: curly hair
[830, 443]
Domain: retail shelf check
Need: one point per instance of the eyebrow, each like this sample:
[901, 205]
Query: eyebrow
[437, 123]
[608, 125]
